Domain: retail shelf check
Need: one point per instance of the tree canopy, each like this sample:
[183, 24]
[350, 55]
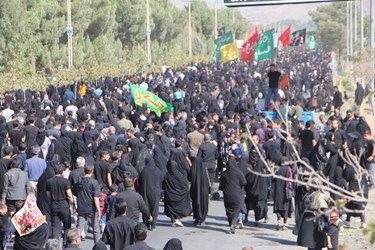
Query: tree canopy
[106, 32]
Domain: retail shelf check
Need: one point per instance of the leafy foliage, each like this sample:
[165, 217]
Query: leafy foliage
[107, 33]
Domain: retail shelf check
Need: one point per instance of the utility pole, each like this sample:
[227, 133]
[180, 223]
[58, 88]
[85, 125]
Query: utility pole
[69, 33]
[190, 33]
[362, 26]
[372, 23]
[351, 34]
[347, 33]
[355, 21]
[233, 21]
[148, 33]
[216, 34]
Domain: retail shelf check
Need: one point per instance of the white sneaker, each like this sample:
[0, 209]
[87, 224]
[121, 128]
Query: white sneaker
[240, 225]
[178, 223]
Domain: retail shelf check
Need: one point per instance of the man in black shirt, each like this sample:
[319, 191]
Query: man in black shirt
[4, 164]
[209, 154]
[88, 194]
[307, 139]
[103, 171]
[368, 158]
[59, 192]
[273, 85]
[119, 232]
[339, 135]
[77, 174]
[135, 202]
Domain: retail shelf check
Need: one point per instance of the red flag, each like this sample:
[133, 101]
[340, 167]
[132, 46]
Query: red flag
[285, 37]
[247, 53]
[284, 82]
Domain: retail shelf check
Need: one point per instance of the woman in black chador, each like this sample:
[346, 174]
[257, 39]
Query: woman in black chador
[176, 194]
[256, 192]
[199, 191]
[150, 186]
[232, 182]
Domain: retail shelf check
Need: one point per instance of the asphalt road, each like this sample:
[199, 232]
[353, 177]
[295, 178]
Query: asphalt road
[214, 234]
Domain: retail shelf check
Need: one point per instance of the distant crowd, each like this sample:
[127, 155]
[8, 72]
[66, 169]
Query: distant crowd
[93, 158]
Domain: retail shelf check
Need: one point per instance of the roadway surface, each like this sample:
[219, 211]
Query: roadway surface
[214, 234]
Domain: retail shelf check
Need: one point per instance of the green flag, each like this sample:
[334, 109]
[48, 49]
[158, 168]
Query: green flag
[264, 48]
[311, 44]
[153, 102]
[227, 38]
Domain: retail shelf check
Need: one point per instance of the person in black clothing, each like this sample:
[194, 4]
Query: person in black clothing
[209, 154]
[103, 171]
[272, 149]
[307, 140]
[173, 244]
[359, 94]
[4, 225]
[368, 158]
[150, 187]
[257, 191]
[273, 85]
[73, 238]
[59, 191]
[333, 231]
[176, 194]
[337, 98]
[135, 202]
[88, 194]
[140, 235]
[232, 182]
[76, 175]
[4, 163]
[119, 232]
[199, 191]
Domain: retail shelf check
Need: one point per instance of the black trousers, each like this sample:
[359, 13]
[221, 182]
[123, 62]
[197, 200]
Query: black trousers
[60, 215]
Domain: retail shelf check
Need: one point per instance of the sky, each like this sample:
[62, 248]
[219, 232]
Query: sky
[266, 14]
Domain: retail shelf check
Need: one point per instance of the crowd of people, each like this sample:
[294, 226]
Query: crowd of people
[94, 159]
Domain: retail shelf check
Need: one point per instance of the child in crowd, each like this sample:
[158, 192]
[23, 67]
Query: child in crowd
[110, 201]
[333, 231]
[103, 214]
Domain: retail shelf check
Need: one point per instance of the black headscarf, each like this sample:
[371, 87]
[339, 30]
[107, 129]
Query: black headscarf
[160, 159]
[178, 156]
[173, 244]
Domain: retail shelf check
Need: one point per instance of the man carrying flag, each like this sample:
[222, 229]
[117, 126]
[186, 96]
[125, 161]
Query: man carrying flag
[285, 38]
[248, 48]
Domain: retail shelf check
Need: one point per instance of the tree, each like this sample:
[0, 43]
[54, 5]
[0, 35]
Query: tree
[331, 26]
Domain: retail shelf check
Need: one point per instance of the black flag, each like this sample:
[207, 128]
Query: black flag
[221, 31]
[298, 38]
